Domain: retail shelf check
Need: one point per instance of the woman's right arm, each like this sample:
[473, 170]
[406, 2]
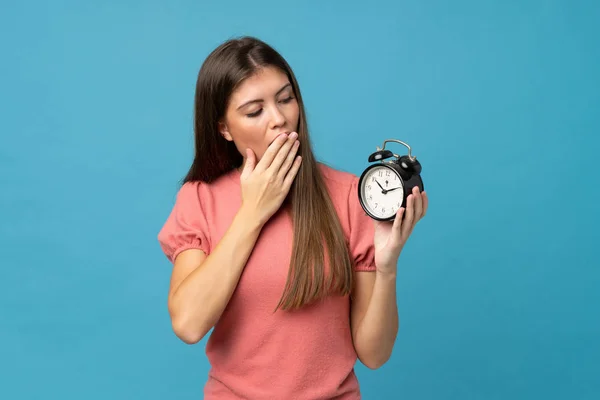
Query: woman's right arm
[201, 285]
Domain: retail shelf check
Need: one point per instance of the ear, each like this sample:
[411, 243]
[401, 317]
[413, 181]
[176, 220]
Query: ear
[224, 131]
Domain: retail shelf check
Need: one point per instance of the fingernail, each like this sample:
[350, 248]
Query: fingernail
[293, 135]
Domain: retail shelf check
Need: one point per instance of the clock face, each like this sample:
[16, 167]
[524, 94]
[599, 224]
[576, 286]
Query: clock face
[382, 192]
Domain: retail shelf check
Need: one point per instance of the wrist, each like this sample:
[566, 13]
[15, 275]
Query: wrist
[249, 219]
[387, 273]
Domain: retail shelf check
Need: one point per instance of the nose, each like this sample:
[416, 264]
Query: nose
[277, 118]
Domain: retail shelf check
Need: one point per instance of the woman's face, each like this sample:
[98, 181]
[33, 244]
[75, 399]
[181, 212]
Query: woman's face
[261, 108]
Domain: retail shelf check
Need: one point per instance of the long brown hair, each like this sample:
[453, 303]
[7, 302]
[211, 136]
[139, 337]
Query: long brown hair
[318, 233]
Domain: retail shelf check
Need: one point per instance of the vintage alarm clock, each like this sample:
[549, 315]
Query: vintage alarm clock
[384, 186]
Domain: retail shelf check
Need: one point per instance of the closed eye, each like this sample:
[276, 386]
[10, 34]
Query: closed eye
[259, 111]
[255, 114]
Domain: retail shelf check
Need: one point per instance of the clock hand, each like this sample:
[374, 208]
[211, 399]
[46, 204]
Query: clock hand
[389, 190]
[382, 189]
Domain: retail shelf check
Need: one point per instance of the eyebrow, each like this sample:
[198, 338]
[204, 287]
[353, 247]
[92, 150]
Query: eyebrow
[259, 100]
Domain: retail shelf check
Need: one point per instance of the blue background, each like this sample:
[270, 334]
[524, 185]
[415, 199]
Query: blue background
[499, 287]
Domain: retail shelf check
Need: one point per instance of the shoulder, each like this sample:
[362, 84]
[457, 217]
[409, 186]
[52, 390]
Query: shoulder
[189, 196]
[337, 178]
[186, 226]
[199, 191]
[342, 187]
[189, 189]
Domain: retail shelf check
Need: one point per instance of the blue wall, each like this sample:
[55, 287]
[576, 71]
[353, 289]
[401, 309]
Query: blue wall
[498, 287]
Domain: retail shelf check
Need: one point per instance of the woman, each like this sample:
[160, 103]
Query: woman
[271, 248]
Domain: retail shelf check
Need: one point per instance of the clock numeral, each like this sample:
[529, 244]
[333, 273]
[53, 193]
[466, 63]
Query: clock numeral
[369, 187]
[383, 209]
[375, 205]
[387, 173]
[380, 173]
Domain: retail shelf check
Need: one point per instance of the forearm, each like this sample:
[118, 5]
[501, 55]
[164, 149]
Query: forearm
[377, 331]
[198, 302]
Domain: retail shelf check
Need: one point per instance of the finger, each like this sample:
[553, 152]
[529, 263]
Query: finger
[425, 203]
[250, 163]
[418, 204]
[271, 152]
[283, 153]
[398, 221]
[408, 219]
[289, 160]
[289, 178]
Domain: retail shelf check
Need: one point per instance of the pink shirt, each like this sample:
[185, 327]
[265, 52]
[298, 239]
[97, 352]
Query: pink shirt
[255, 353]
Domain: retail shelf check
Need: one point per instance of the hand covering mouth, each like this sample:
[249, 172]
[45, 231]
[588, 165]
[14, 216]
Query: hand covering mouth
[287, 133]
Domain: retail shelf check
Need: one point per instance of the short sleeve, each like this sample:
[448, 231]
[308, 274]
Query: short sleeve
[362, 230]
[186, 226]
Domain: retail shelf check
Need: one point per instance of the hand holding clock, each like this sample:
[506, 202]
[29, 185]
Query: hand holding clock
[394, 214]
[391, 236]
